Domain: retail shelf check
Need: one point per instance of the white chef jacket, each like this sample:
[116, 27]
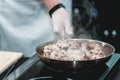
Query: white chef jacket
[25, 24]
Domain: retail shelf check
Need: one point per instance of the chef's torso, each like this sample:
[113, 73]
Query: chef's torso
[24, 24]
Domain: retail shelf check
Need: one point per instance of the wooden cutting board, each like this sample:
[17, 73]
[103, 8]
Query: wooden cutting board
[8, 58]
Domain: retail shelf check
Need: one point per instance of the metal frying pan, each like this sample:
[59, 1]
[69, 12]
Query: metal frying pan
[75, 66]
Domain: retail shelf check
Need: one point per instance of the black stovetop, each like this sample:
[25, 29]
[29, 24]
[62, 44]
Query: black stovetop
[38, 71]
[103, 72]
[47, 73]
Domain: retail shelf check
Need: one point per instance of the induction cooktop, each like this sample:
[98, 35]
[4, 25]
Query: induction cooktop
[103, 72]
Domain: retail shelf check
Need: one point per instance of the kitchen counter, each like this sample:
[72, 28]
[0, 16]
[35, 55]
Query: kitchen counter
[29, 69]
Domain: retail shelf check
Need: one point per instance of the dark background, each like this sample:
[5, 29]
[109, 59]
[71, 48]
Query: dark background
[107, 19]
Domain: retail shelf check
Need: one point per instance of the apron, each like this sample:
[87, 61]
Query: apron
[25, 24]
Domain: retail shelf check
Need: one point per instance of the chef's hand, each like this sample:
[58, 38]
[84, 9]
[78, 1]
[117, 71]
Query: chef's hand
[61, 23]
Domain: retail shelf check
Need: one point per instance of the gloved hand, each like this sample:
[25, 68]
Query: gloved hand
[61, 23]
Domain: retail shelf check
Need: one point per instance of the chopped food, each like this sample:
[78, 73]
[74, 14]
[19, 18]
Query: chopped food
[78, 50]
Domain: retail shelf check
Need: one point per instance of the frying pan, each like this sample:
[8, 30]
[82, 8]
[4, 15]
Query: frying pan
[76, 66]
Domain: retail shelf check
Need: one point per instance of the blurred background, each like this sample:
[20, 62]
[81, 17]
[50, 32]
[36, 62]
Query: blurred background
[97, 19]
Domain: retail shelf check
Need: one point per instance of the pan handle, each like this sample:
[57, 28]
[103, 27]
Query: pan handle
[40, 78]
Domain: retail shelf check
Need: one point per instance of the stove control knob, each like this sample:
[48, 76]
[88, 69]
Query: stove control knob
[76, 11]
[106, 32]
[114, 33]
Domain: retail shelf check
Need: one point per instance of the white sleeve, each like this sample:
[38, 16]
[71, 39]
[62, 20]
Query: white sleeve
[21, 11]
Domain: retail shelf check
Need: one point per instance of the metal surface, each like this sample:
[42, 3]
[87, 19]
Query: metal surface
[23, 68]
[74, 66]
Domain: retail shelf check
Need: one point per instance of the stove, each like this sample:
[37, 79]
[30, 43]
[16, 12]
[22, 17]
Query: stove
[47, 73]
[100, 73]
[39, 71]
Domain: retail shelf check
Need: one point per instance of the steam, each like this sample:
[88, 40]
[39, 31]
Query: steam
[82, 22]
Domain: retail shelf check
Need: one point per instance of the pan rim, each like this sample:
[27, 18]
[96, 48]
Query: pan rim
[112, 52]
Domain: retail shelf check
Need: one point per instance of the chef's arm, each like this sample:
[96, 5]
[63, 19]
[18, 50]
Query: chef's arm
[50, 3]
[60, 17]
